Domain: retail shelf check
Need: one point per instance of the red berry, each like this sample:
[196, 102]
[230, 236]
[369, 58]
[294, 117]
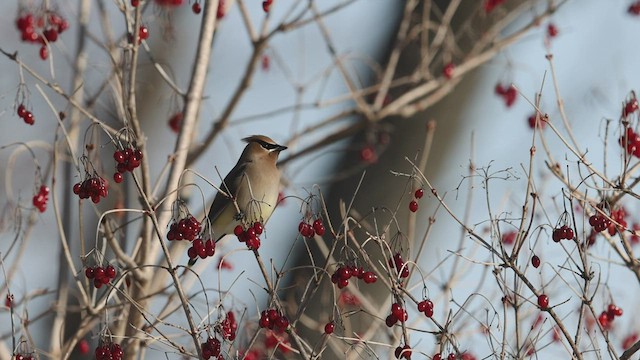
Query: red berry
[419, 193]
[552, 30]
[118, 178]
[258, 228]
[437, 357]
[29, 118]
[535, 261]
[329, 327]
[238, 230]
[448, 70]
[22, 111]
[413, 206]
[368, 154]
[543, 301]
[196, 8]
[44, 52]
[369, 277]
[110, 272]
[266, 5]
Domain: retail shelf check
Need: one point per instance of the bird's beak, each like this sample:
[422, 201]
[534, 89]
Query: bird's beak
[280, 148]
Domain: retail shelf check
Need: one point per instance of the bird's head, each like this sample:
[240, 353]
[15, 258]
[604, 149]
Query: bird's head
[261, 148]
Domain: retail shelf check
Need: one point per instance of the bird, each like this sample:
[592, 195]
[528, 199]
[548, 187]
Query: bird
[249, 192]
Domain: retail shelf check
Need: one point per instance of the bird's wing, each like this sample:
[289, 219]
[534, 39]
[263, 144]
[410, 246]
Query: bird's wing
[230, 186]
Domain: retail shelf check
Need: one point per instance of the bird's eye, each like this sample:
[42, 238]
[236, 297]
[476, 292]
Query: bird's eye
[267, 145]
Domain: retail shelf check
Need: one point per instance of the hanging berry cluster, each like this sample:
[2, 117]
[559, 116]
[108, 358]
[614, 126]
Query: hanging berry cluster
[186, 228]
[41, 198]
[562, 233]
[403, 352]
[109, 351]
[426, 307]
[413, 205]
[508, 94]
[250, 236]
[309, 230]
[26, 115]
[618, 216]
[607, 316]
[398, 313]
[342, 274]
[100, 276]
[94, 187]
[211, 348]
[127, 159]
[599, 222]
[23, 357]
[41, 29]
[228, 327]
[631, 142]
[273, 320]
[397, 262]
[202, 249]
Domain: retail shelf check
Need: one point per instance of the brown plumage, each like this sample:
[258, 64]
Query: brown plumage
[253, 182]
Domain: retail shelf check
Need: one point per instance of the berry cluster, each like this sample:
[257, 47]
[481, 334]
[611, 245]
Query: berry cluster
[448, 69]
[25, 114]
[109, 351]
[634, 8]
[94, 187]
[228, 327]
[489, 5]
[273, 320]
[508, 94]
[175, 121]
[211, 348]
[397, 262]
[266, 5]
[631, 142]
[413, 205]
[426, 307]
[398, 313]
[126, 160]
[23, 357]
[41, 198]
[509, 237]
[403, 352]
[343, 273]
[187, 228]
[41, 30]
[143, 34]
[100, 275]
[599, 222]
[250, 236]
[202, 249]
[562, 233]
[618, 216]
[310, 230]
[607, 316]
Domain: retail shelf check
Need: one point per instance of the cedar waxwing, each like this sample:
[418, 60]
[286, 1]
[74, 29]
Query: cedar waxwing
[254, 184]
